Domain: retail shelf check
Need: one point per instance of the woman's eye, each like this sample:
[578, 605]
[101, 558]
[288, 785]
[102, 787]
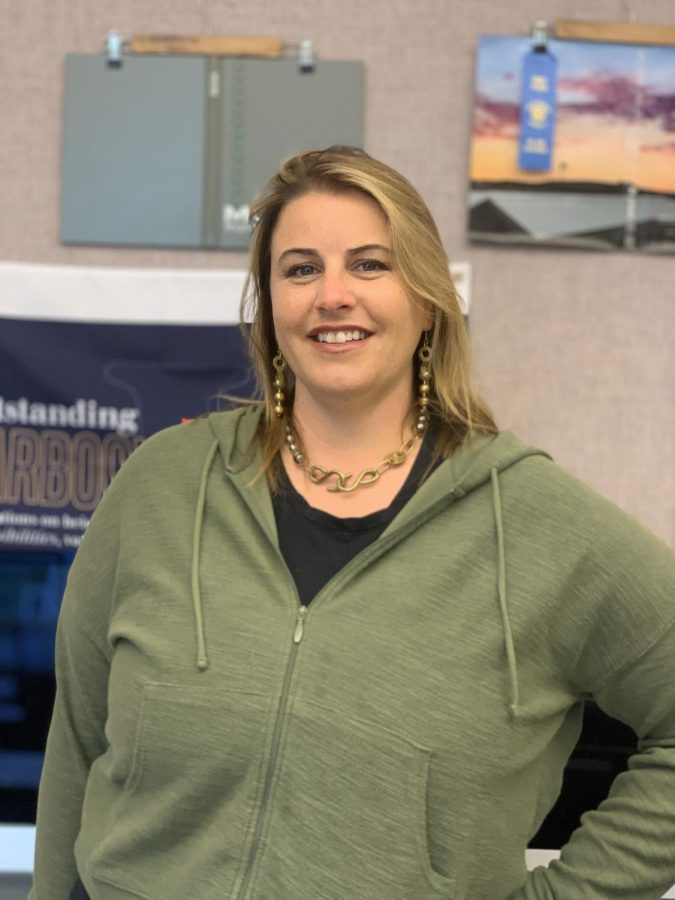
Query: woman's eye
[371, 265]
[302, 270]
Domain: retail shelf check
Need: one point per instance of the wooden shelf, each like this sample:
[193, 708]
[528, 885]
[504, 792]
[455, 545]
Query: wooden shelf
[271, 48]
[614, 32]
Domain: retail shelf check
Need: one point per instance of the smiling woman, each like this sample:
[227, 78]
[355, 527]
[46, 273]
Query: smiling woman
[335, 644]
[344, 244]
[348, 329]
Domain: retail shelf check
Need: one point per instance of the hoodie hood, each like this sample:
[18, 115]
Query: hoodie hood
[470, 467]
[480, 460]
[235, 434]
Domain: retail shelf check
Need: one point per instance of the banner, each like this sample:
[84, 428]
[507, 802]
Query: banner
[92, 361]
[537, 111]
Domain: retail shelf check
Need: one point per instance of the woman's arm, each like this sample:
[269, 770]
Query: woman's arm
[77, 730]
[624, 656]
[625, 850]
[76, 739]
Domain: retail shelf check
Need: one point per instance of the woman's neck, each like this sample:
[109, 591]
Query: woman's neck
[349, 438]
[347, 431]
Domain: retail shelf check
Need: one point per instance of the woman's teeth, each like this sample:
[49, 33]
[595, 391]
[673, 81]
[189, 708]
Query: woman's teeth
[340, 337]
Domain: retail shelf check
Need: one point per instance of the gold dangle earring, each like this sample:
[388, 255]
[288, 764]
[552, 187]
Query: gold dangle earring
[279, 383]
[424, 356]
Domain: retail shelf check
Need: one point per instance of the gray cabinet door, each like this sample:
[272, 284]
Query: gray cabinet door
[170, 151]
[133, 151]
[271, 110]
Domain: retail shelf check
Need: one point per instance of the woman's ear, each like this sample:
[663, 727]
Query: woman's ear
[429, 314]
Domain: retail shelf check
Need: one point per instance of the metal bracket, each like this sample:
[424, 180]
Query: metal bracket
[306, 60]
[540, 34]
[113, 49]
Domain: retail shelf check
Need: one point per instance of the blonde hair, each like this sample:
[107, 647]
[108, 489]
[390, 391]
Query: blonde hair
[417, 254]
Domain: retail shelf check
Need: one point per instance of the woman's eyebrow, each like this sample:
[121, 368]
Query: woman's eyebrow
[353, 251]
[304, 251]
[365, 248]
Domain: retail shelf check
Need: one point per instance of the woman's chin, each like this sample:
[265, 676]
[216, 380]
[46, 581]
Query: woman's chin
[336, 391]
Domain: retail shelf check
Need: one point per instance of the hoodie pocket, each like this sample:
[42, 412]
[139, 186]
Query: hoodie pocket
[181, 820]
[349, 815]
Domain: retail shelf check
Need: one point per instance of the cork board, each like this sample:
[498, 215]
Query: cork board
[573, 349]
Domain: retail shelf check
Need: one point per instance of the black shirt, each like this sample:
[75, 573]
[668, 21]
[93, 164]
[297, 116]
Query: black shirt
[316, 544]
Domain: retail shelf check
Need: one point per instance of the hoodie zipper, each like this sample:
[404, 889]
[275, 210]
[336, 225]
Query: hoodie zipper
[352, 567]
[298, 632]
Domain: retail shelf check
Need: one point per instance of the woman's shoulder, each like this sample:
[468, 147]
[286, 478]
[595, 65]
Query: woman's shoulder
[606, 574]
[184, 446]
[192, 438]
[552, 487]
[555, 511]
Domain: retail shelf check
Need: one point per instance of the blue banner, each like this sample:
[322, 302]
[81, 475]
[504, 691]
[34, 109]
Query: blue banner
[537, 111]
[77, 398]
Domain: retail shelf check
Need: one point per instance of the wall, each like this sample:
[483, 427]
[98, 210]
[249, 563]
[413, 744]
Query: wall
[574, 349]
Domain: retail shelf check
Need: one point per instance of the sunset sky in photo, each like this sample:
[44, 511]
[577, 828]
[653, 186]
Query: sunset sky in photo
[615, 120]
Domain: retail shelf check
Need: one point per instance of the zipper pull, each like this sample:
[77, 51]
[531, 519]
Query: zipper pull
[300, 625]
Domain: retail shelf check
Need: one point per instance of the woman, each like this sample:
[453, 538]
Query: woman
[335, 645]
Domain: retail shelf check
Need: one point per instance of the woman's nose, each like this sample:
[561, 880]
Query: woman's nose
[335, 291]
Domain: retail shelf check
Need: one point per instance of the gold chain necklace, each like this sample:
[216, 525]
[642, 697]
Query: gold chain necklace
[318, 474]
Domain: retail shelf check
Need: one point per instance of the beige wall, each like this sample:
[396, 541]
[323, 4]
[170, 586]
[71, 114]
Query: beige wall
[574, 350]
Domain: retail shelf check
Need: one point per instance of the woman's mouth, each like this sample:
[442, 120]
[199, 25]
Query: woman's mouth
[339, 337]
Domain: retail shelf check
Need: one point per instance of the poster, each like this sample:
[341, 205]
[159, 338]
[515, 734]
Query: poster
[93, 361]
[611, 181]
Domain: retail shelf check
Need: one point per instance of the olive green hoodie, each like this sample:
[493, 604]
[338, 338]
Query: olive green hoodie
[402, 738]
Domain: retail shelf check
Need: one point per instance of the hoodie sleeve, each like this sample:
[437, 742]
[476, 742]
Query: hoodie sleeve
[76, 734]
[625, 849]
